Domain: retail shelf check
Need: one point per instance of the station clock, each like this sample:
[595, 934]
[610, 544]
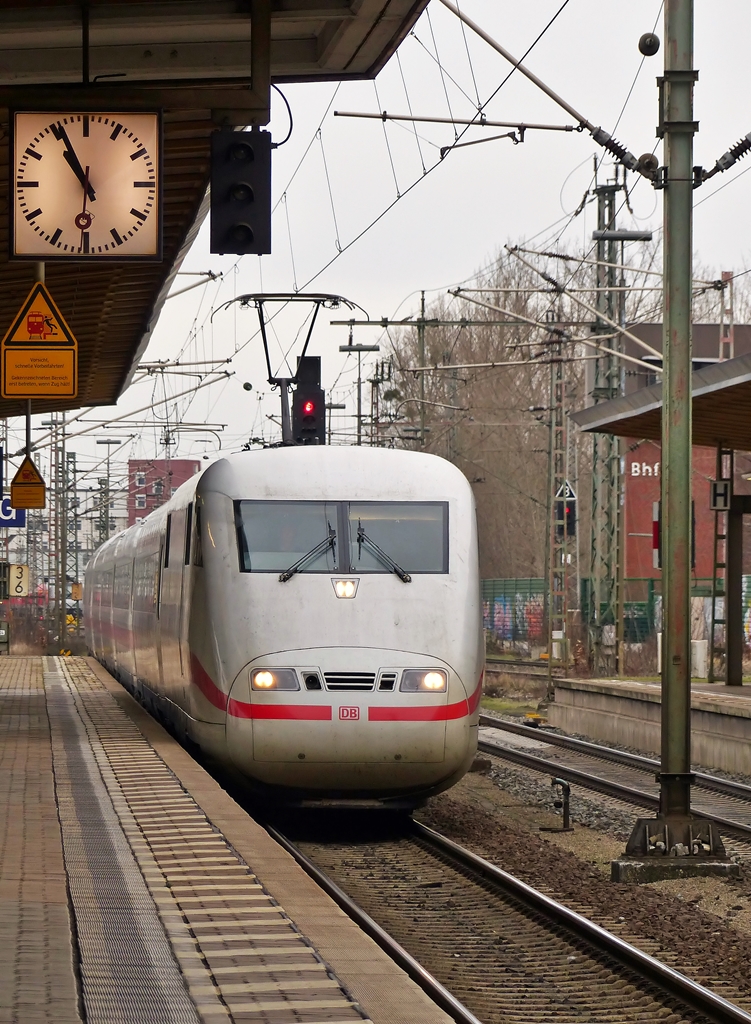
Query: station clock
[86, 186]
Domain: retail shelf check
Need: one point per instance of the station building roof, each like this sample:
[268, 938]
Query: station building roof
[705, 340]
[721, 408]
[192, 59]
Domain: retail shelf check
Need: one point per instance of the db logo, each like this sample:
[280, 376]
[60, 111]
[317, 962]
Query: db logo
[349, 714]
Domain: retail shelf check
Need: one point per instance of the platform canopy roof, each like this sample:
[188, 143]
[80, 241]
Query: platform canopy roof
[721, 408]
[205, 63]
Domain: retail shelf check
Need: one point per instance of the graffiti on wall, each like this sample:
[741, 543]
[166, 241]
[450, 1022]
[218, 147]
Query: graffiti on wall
[515, 616]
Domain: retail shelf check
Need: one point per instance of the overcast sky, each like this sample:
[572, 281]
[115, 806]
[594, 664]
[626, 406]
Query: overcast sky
[450, 221]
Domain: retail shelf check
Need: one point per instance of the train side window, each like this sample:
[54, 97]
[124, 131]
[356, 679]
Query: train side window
[188, 532]
[167, 533]
[177, 538]
[146, 583]
[123, 583]
[198, 545]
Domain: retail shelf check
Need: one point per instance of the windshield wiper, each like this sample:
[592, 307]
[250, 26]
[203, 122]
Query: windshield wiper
[387, 560]
[329, 542]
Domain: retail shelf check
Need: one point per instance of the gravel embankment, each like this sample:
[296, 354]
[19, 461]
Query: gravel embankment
[602, 813]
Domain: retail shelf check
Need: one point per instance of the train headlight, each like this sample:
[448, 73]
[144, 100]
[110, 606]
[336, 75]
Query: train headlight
[345, 588]
[278, 679]
[423, 680]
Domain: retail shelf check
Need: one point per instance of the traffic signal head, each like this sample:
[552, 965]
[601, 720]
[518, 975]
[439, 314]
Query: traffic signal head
[565, 517]
[241, 192]
[309, 415]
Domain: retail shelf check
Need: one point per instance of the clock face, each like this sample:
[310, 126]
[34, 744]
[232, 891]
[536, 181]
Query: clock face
[86, 186]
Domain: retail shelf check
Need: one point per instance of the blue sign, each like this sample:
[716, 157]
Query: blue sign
[11, 516]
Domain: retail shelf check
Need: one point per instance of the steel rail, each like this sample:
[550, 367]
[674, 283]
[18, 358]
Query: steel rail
[694, 995]
[430, 985]
[518, 667]
[594, 782]
[600, 785]
[704, 781]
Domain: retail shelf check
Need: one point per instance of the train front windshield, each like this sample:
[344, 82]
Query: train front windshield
[273, 535]
[342, 536]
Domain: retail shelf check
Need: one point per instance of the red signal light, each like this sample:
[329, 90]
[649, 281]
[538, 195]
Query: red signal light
[308, 408]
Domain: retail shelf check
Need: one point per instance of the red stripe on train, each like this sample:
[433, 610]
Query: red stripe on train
[286, 712]
[240, 709]
[433, 713]
[206, 684]
[474, 700]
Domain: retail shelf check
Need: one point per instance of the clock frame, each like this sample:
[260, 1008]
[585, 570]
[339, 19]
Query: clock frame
[86, 186]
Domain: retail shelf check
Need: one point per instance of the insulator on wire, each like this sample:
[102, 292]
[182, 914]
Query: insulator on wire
[735, 153]
[618, 150]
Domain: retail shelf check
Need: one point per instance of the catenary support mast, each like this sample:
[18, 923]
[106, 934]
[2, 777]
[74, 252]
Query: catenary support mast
[676, 843]
[677, 124]
[605, 471]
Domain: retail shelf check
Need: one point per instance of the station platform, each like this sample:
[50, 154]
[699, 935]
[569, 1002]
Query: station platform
[134, 889]
[628, 712]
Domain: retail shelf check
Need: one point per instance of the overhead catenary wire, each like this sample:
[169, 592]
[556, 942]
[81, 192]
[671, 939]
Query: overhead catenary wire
[409, 107]
[543, 360]
[331, 194]
[134, 412]
[388, 144]
[291, 249]
[432, 56]
[440, 65]
[583, 341]
[567, 257]
[591, 309]
[469, 60]
[415, 183]
[601, 137]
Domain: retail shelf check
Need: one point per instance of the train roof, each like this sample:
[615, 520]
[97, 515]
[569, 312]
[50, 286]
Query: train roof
[335, 472]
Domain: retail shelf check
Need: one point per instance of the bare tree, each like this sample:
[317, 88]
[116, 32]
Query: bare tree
[492, 421]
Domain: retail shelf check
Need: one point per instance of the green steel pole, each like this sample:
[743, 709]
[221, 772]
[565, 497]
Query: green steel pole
[676, 118]
[421, 353]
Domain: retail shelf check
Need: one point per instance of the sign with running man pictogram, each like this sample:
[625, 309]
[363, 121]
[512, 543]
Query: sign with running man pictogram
[39, 352]
[27, 488]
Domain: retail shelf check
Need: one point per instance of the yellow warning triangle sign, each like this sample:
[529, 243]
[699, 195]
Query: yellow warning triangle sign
[27, 473]
[39, 321]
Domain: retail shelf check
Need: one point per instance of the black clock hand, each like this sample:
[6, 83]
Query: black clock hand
[84, 219]
[72, 160]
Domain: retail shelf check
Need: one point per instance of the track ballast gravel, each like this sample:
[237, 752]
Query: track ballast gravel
[504, 963]
[678, 933]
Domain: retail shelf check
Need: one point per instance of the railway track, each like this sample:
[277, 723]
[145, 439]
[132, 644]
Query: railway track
[520, 667]
[484, 945]
[622, 776]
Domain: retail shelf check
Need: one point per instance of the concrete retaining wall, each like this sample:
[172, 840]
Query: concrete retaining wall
[629, 713]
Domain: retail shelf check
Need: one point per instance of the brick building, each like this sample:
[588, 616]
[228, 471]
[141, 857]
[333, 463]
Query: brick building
[151, 482]
[643, 462]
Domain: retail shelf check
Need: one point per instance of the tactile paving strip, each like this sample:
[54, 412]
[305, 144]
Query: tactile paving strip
[127, 968]
[241, 957]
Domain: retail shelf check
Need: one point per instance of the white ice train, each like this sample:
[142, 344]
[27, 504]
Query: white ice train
[309, 616]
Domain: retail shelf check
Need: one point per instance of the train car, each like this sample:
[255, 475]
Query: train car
[309, 617]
